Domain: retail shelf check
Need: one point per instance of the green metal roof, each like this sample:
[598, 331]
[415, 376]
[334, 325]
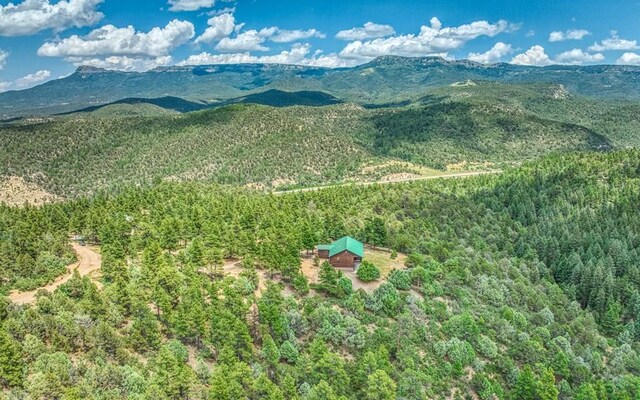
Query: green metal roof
[324, 247]
[349, 244]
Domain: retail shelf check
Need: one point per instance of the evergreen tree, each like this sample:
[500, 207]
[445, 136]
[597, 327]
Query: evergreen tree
[12, 367]
[380, 386]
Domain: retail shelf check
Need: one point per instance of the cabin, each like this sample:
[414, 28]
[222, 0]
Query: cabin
[345, 253]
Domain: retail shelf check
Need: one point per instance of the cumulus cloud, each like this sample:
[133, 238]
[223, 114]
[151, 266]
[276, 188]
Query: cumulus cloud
[614, 43]
[285, 36]
[33, 16]
[112, 41]
[190, 5]
[220, 27]
[578, 57]
[431, 40]
[123, 63]
[3, 58]
[629, 59]
[370, 30]
[492, 56]
[26, 81]
[32, 79]
[571, 34]
[534, 56]
[297, 54]
[251, 40]
[122, 48]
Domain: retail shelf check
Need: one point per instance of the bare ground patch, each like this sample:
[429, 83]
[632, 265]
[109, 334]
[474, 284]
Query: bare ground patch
[15, 191]
[380, 258]
[89, 262]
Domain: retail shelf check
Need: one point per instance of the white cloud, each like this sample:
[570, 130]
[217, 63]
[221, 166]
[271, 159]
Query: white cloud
[26, 81]
[226, 10]
[220, 27]
[251, 40]
[33, 16]
[492, 56]
[370, 30]
[112, 41]
[32, 79]
[629, 59]
[431, 40]
[614, 43]
[3, 58]
[123, 63]
[534, 56]
[578, 57]
[332, 60]
[571, 34]
[298, 55]
[190, 5]
[285, 36]
[294, 56]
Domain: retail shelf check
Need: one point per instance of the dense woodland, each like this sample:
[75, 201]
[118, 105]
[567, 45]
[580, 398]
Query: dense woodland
[487, 124]
[523, 285]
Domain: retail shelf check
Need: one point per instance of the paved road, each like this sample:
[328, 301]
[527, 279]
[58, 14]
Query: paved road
[417, 178]
[89, 260]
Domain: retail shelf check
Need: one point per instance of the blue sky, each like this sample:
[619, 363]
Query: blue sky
[45, 39]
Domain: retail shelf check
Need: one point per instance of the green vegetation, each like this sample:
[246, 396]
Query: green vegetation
[520, 286]
[483, 126]
[368, 272]
[384, 81]
[233, 145]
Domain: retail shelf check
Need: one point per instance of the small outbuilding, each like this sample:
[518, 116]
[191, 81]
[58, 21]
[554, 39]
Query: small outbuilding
[345, 253]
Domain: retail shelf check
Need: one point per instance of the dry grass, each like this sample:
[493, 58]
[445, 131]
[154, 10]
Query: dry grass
[15, 191]
[380, 258]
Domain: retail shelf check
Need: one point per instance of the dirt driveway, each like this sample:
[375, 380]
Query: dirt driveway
[89, 261]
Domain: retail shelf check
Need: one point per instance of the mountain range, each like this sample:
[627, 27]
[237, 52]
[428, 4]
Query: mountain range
[386, 80]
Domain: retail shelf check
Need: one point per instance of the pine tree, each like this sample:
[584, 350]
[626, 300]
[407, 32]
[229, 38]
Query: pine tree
[547, 386]
[526, 385]
[12, 367]
[380, 386]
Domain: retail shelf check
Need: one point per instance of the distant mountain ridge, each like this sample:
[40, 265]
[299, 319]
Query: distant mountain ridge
[272, 97]
[384, 80]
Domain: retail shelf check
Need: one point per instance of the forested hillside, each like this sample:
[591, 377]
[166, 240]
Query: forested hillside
[472, 124]
[518, 286]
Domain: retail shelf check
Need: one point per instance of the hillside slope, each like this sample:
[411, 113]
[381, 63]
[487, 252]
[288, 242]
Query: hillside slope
[480, 124]
[522, 285]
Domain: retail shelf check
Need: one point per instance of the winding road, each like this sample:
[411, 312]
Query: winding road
[89, 261]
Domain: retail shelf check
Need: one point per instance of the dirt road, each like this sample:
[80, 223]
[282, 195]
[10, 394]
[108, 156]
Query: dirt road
[417, 178]
[89, 260]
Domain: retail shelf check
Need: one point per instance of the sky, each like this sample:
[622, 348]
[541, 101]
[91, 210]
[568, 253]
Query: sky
[42, 40]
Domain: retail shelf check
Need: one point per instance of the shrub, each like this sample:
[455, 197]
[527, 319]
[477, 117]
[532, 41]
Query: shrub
[400, 279]
[387, 299]
[301, 284]
[414, 260]
[345, 286]
[368, 272]
[289, 352]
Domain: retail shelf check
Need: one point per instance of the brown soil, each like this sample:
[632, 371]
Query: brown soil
[89, 261]
[15, 191]
[379, 258]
